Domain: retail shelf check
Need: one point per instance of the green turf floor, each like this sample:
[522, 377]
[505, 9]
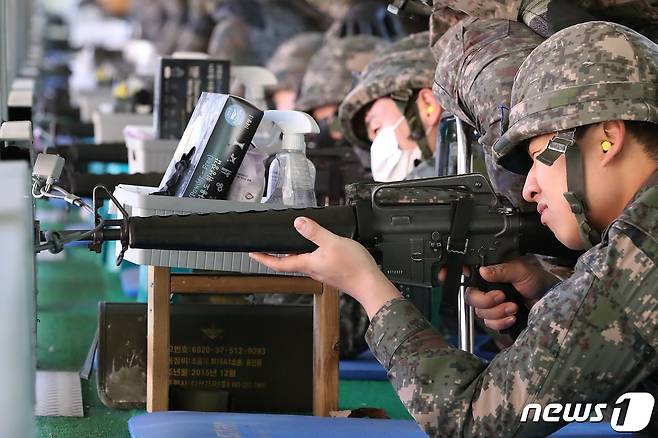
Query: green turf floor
[68, 293]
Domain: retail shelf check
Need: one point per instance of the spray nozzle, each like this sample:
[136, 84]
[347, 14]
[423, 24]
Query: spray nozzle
[294, 125]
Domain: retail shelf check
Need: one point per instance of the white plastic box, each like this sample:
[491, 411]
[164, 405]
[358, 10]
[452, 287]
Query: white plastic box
[108, 128]
[146, 154]
[138, 202]
[90, 100]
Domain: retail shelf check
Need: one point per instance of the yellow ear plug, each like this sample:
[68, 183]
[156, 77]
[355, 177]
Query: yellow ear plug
[606, 145]
[430, 109]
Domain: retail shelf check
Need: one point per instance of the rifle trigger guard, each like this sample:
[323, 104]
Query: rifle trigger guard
[457, 251]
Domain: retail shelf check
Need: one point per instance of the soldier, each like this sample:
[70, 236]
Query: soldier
[476, 63]
[583, 126]
[330, 77]
[166, 38]
[196, 32]
[393, 108]
[149, 16]
[248, 31]
[289, 63]
[548, 16]
[370, 17]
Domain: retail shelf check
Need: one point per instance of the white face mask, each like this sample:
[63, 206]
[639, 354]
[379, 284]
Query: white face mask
[387, 161]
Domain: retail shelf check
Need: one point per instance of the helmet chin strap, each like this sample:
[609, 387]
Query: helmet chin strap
[406, 102]
[564, 142]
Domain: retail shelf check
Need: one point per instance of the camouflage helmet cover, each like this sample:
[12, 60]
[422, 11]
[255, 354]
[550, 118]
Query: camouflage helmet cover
[330, 73]
[476, 63]
[587, 73]
[477, 60]
[405, 65]
[291, 59]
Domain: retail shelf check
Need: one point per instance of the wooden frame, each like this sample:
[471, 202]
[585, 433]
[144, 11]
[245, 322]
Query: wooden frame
[162, 283]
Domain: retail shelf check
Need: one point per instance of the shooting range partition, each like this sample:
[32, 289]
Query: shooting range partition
[18, 311]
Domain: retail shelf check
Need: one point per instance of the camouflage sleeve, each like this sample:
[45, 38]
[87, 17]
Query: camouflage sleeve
[586, 342]
[508, 10]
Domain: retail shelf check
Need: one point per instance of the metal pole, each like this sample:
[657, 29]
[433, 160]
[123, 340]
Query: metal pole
[465, 315]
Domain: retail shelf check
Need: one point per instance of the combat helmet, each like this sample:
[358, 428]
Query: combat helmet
[585, 74]
[249, 31]
[330, 74]
[398, 72]
[477, 60]
[291, 59]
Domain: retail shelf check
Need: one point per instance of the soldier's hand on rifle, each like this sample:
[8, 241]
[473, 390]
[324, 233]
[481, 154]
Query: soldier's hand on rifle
[340, 262]
[525, 274]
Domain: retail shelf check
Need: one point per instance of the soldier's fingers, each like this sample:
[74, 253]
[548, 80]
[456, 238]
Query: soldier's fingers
[293, 263]
[509, 272]
[500, 324]
[313, 231]
[484, 300]
[501, 311]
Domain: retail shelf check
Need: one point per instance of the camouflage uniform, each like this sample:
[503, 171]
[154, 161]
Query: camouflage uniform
[291, 59]
[640, 15]
[477, 60]
[334, 8]
[330, 74]
[593, 336]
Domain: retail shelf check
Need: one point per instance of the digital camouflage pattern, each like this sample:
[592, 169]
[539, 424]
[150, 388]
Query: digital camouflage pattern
[291, 59]
[247, 32]
[508, 9]
[403, 66]
[589, 339]
[640, 15]
[477, 60]
[443, 19]
[561, 86]
[331, 72]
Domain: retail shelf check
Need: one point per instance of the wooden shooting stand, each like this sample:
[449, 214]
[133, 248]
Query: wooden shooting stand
[162, 283]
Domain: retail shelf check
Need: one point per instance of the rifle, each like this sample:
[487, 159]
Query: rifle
[412, 229]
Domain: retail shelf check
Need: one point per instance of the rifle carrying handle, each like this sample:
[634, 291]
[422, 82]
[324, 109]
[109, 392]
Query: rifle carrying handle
[512, 295]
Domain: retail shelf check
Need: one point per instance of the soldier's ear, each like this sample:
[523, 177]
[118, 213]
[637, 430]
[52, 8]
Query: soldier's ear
[428, 107]
[614, 137]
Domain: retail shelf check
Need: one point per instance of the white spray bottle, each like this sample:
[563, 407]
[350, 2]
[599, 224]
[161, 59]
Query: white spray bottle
[295, 184]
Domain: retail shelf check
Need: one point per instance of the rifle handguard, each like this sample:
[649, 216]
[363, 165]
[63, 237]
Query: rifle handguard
[272, 233]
